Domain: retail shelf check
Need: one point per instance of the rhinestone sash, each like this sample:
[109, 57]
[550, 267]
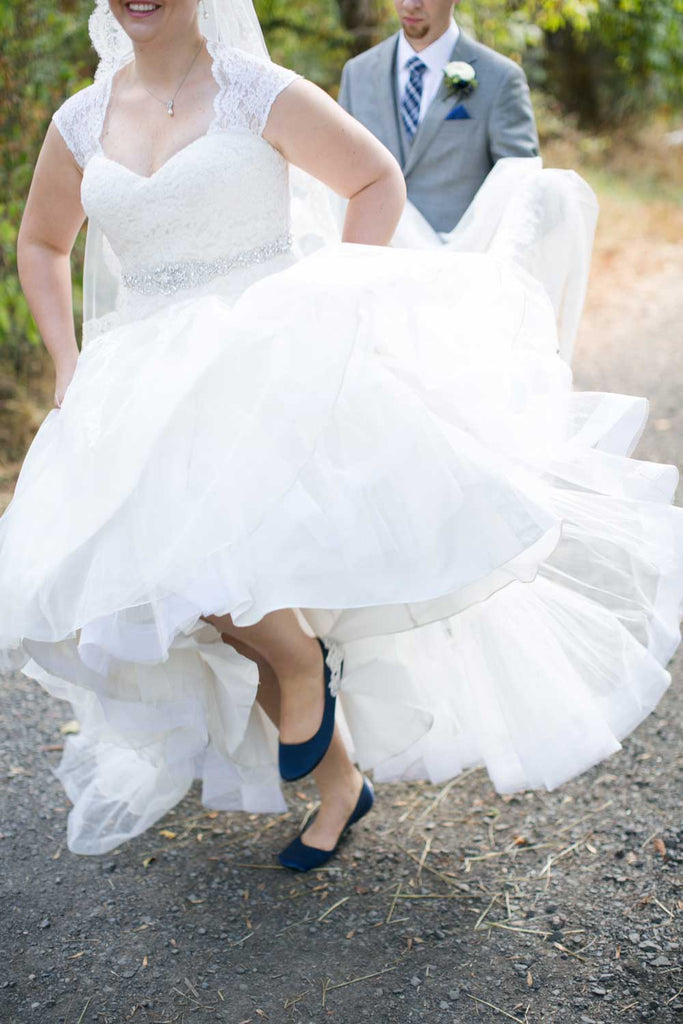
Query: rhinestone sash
[168, 278]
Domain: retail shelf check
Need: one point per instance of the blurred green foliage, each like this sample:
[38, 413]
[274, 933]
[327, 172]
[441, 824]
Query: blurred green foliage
[307, 35]
[627, 63]
[45, 56]
[604, 59]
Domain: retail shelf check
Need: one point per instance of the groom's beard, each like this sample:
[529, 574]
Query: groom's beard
[418, 31]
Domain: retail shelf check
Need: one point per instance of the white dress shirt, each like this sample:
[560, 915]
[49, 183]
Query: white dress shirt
[435, 56]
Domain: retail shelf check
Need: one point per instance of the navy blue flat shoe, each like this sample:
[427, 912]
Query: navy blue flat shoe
[299, 759]
[300, 857]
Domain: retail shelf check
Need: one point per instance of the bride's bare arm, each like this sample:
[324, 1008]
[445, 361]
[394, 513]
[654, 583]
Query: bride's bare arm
[52, 219]
[313, 132]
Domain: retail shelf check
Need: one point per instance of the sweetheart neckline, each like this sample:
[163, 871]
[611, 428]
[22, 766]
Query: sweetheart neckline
[149, 177]
[200, 138]
[212, 52]
[212, 128]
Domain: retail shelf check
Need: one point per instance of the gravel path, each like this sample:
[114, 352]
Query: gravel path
[451, 904]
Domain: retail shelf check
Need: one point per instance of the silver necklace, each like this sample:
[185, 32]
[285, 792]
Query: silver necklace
[169, 103]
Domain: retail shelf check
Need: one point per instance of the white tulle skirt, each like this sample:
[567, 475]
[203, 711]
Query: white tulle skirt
[387, 442]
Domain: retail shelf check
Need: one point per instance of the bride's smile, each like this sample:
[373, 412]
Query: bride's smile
[141, 10]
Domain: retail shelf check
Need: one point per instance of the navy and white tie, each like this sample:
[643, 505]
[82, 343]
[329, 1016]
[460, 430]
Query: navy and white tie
[412, 95]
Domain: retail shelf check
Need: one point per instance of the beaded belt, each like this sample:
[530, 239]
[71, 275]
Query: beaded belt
[167, 278]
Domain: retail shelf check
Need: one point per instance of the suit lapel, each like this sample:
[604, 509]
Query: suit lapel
[438, 108]
[385, 93]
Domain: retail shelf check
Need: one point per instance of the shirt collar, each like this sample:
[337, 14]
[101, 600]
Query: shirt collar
[436, 55]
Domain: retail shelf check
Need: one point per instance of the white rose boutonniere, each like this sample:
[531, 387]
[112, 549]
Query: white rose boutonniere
[460, 77]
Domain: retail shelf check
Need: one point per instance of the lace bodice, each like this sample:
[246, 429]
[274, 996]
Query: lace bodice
[220, 201]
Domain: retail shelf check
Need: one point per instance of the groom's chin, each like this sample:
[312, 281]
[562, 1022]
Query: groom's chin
[415, 30]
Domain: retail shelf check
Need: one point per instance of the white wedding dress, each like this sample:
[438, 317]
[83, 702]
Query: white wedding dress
[542, 219]
[384, 440]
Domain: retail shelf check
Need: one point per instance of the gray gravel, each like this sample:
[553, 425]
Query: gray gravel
[562, 907]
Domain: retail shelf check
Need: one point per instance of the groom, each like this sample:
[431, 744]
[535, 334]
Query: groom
[446, 136]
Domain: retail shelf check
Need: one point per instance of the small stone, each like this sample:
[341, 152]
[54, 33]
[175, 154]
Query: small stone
[598, 990]
[453, 994]
[648, 944]
[45, 923]
[34, 1006]
[109, 866]
[415, 981]
[443, 1005]
[634, 937]
[661, 961]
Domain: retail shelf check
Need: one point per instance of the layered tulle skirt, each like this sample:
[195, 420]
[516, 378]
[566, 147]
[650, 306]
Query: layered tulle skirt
[387, 442]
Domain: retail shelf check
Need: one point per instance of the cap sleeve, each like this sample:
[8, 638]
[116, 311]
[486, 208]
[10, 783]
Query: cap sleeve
[79, 121]
[249, 86]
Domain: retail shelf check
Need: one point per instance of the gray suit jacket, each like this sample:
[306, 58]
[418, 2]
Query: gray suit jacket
[447, 160]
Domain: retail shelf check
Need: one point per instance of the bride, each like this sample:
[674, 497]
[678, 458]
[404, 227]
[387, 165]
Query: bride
[305, 507]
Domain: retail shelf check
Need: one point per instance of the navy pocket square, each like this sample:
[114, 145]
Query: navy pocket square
[458, 113]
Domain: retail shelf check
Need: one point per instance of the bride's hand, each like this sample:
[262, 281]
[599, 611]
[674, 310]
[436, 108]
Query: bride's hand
[63, 377]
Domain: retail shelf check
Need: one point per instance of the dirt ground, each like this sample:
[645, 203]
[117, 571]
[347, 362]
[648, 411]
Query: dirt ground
[448, 904]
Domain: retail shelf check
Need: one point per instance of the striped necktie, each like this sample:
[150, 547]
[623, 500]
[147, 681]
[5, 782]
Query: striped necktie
[410, 102]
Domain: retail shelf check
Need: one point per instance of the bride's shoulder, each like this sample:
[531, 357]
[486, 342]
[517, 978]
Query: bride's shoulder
[249, 84]
[78, 119]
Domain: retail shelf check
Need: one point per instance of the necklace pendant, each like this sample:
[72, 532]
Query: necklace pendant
[169, 108]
